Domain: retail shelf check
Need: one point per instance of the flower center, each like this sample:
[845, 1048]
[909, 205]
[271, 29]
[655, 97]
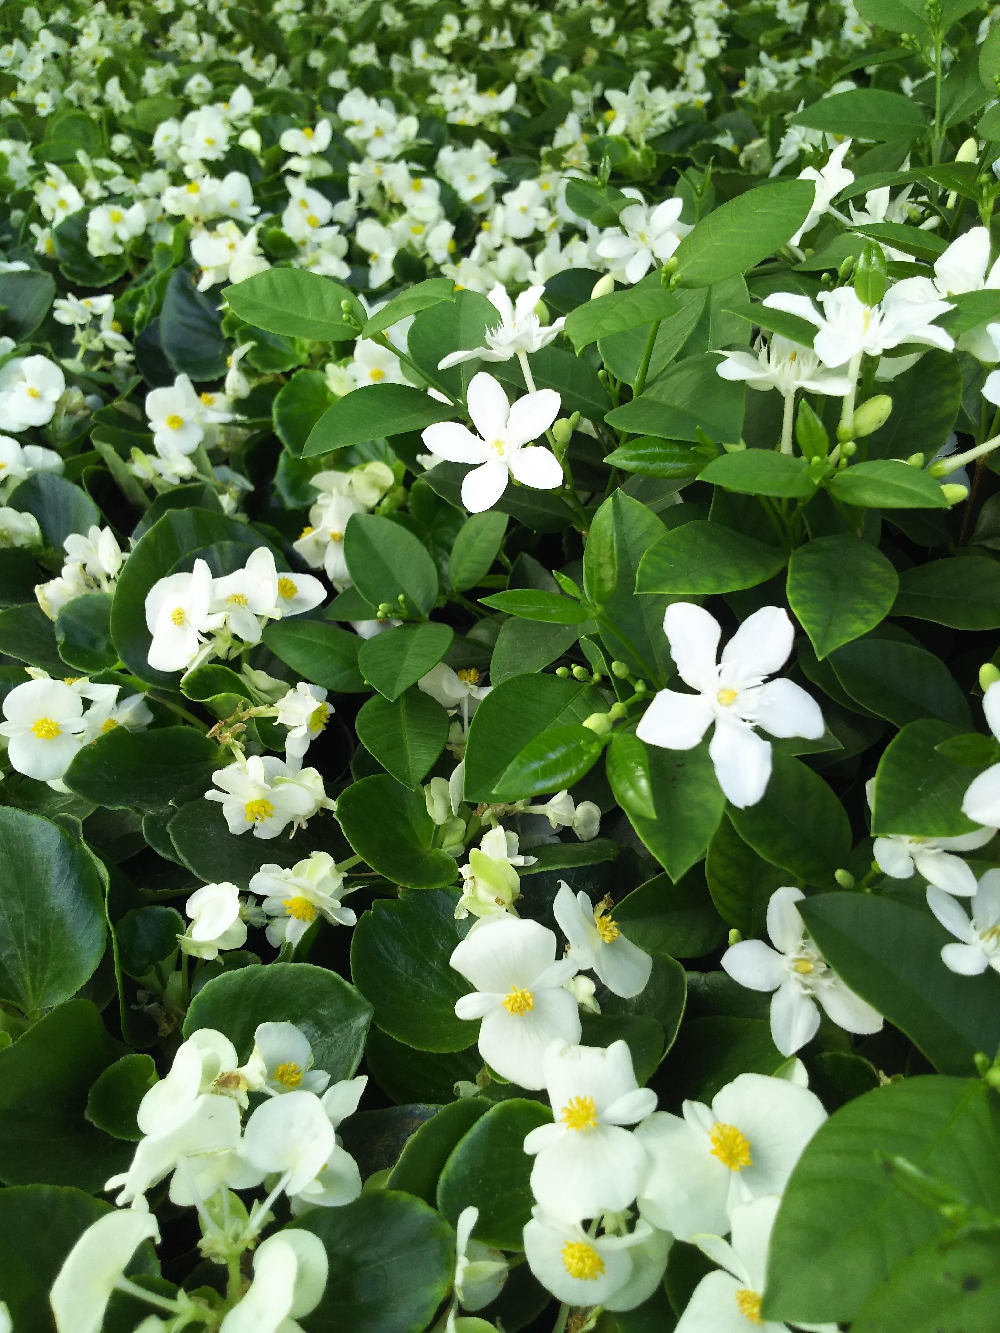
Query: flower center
[606, 928]
[174, 421]
[177, 616]
[731, 1146]
[301, 909]
[336, 536]
[290, 1076]
[518, 1001]
[376, 373]
[582, 1261]
[32, 392]
[802, 966]
[499, 446]
[115, 216]
[238, 599]
[208, 398]
[749, 1305]
[319, 717]
[287, 587]
[46, 729]
[469, 675]
[257, 810]
[579, 1113]
[727, 697]
[107, 725]
[304, 533]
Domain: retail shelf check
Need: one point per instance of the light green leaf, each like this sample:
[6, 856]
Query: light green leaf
[866, 113]
[686, 396]
[944, 1286]
[652, 457]
[761, 472]
[887, 484]
[550, 607]
[297, 303]
[739, 234]
[620, 311]
[419, 297]
[553, 761]
[526, 646]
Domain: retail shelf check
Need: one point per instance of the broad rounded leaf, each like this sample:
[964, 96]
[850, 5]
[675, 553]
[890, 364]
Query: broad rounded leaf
[319, 651]
[390, 827]
[396, 659]
[700, 558]
[145, 770]
[386, 562]
[839, 589]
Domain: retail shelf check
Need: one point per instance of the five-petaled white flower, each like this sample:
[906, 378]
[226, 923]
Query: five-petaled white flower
[733, 693]
[799, 976]
[519, 995]
[177, 614]
[500, 448]
[519, 333]
[645, 237]
[597, 943]
[898, 856]
[742, 1147]
[44, 722]
[783, 365]
[979, 946]
[617, 1271]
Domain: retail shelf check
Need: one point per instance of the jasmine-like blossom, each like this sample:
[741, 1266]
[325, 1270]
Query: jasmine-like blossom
[597, 943]
[978, 945]
[520, 332]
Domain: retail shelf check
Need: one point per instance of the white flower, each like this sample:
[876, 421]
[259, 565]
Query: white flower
[295, 897]
[586, 1163]
[98, 552]
[563, 812]
[247, 596]
[617, 1272]
[281, 1062]
[176, 417]
[454, 689]
[899, 857]
[743, 1147]
[981, 802]
[44, 721]
[597, 943]
[262, 793]
[848, 327]
[111, 227]
[829, 181]
[290, 1271]
[490, 884]
[378, 243]
[106, 712]
[177, 614]
[91, 1270]
[321, 545]
[307, 141]
[305, 712]
[648, 236]
[17, 461]
[338, 1180]
[732, 694]
[729, 1299]
[499, 449]
[519, 332]
[30, 387]
[979, 946]
[227, 255]
[216, 924]
[519, 996]
[479, 1271]
[374, 364]
[783, 365]
[799, 977]
[19, 530]
[291, 1136]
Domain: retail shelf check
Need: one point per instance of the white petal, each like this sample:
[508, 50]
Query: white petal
[713, 1309]
[847, 1010]
[754, 965]
[536, 467]
[515, 1044]
[693, 635]
[455, 442]
[506, 953]
[742, 762]
[483, 487]
[892, 858]
[760, 646]
[675, 721]
[794, 1018]
[946, 872]
[623, 967]
[687, 1187]
[991, 705]
[783, 708]
[964, 959]
[784, 924]
[794, 304]
[778, 1118]
[488, 406]
[532, 415]
[589, 1172]
[981, 802]
[951, 915]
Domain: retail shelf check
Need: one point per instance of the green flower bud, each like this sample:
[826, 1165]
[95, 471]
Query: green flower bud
[562, 672]
[844, 878]
[599, 723]
[988, 675]
[735, 937]
[603, 287]
[618, 711]
[916, 460]
[581, 673]
[562, 431]
[955, 494]
[619, 669]
[848, 449]
[872, 415]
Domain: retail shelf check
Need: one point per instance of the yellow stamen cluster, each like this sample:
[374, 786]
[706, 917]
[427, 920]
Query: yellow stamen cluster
[257, 810]
[300, 909]
[749, 1303]
[582, 1261]
[469, 675]
[579, 1113]
[519, 1001]
[46, 729]
[288, 587]
[288, 1074]
[730, 1145]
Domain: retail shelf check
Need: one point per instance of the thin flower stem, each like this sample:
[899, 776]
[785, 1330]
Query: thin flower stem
[260, 1210]
[647, 356]
[787, 420]
[951, 464]
[847, 415]
[383, 341]
[561, 1319]
[151, 1297]
[529, 379]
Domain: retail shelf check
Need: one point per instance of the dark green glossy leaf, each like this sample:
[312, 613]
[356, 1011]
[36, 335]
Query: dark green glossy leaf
[741, 882]
[742, 232]
[553, 761]
[390, 827]
[676, 919]
[387, 562]
[83, 633]
[900, 681]
[372, 413]
[319, 651]
[475, 549]
[59, 506]
[550, 607]
[700, 558]
[405, 735]
[961, 593]
[422, 1159]
[113, 1101]
[868, 113]
[918, 790]
[840, 588]
[145, 770]
[397, 659]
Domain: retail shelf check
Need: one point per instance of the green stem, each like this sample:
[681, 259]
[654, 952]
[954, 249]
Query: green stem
[787, 420]
[150, 1297]
[938, 76]
[847, 414]
[234, 1282]
[561, 1319]
[419, 371]
[647, 356]
[181, 712]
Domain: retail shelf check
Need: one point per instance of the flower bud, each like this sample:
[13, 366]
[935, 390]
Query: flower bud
[969, 151]
[735, 937]
[599, 723]
[562, 431]
[916, 460]
[620, 669]
[844, 878]
[848, 449]
[618, 711]
[872, 415]
[988, 675]
[581, 673]
[844, 272]
[251, 140]
[955, 494]
[542, 311]
[603, 287]
[562, 672]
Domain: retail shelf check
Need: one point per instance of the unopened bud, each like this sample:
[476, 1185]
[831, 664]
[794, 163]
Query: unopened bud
[844, 878]
[618, 711]
[916, 460]
[384, 609]
[872, 415]
[844, 272]
[599, 723]
[562, 672]
[542, 311]
[346, 307]
[641, 687]
[736, 448]
[969, 151]
[619, 669]
[581, 673]
[562, 431]
[955, 494]
[735, 937]
[668, 271]
[848, 449]
[603, 287]
[988, 675]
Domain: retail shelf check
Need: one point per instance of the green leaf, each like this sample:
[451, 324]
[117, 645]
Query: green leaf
[675, 919]
[511, 716]
[148, 941]
[201, 840]
[741, 882]
[900, 681]
[623, 353]
[391, 1264]
[550, 607]
[397, 659]
[887, 484]
[896, 15]
[435, 334]
[543, 511]
[83, 633]
[190, 329]
[319, 651]
[405, 735]
[865, 113]
[568, 855]
[681, 788]
[59, 506]
[710, 1052]
[739, 234]
[331, 1013]
[761, 472]
[845, 1220]
[619, 311]
[793, 327]
[572, 377]
[554, 760]
[419, 297]
[26, 297]
[700, 558]
[475, 549]
[372, 413]
[925, 403]
[918, 790]
[113, 1101]
[798, 825]
[390, 827]
[408, 1076]
[889, 953]
[45, 1078]
[52, 923]
[400, 955]
[295, 302]
[144, 770]
[963, 593]
[490, 1170]
[911, 240]
[425, 1154]
[971, 750]
[18, 575]
[945, 1286]
[526, 646]
[386, 562]
[652, 457]
[839, 589]
[27, 634]
[685, 397]
[297, 407]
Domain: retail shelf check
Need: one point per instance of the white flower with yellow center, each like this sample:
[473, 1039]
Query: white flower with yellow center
[298, 593]
[44, 722]
[338, 1180]
[177, 615]
[374, 364]
[289, 1277]
[305, 712]
[296, 897]
[262, 794]
[979, 939]
[19, 461]
[519, 996]
[799, 976]
[176, 417]
[106, 713]
[586, 1163]
[618, 1272]
[282, 1062]
[321, 544]
[216, 923]
[597, 943]
[740, 1148]
[30, 387]
[248, 596]
[644, 238]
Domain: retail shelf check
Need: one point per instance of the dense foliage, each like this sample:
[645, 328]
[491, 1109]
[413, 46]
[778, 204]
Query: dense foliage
[499, 591]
